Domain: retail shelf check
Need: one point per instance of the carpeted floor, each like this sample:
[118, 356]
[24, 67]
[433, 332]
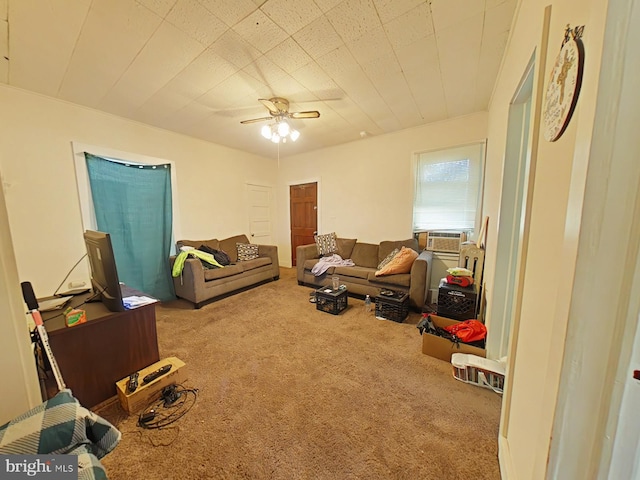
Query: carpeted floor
[288, 392]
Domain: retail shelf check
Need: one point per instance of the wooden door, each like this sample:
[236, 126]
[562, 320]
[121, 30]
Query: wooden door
[303, 207]
[259, 200]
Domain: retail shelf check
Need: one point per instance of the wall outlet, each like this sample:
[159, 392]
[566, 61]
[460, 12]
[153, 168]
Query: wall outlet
[77, 284]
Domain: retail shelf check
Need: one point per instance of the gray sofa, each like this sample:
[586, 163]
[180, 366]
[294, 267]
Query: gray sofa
[360, 279]
[201, 285]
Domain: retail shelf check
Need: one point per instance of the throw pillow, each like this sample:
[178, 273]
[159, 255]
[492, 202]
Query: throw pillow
[247, 251]
[327, 244]
[388, 258]
[401, 263]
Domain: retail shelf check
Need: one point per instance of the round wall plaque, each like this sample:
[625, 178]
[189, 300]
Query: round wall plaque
[564, 85]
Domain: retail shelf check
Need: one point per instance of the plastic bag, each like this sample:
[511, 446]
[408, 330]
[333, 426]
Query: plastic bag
[468, 331]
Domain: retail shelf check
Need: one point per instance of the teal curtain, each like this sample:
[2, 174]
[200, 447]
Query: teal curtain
[132, 203]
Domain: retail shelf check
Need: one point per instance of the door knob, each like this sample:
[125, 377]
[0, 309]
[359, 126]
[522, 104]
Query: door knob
[315, 233]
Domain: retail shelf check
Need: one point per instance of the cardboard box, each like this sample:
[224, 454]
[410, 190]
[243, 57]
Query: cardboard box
[442, 348]
[144, 395]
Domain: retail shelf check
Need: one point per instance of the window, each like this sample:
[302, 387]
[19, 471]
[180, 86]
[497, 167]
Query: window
[448, 191]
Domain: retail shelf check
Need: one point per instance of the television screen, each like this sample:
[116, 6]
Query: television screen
[104, 274]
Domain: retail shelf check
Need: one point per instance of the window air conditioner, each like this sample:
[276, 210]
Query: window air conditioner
[445, 241]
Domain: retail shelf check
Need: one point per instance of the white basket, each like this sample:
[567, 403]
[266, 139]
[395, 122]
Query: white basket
[479, 371]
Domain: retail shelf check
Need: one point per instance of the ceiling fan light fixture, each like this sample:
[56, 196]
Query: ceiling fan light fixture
[275, 138]
[294, 135]
[283, 129]
[266, 132]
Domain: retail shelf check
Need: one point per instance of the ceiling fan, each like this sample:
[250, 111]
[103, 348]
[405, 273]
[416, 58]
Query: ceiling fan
[279, 110]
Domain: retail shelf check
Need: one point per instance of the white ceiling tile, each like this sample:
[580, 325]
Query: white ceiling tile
[353, 18]
[40, 65]
[498, 19]
[159, 7]
[229, 11]
[292, 15]
[463, 35]
[196, 21]
[4, 39]
[4, 51]
[447, 13]
[495, 3]
[161, 104]
[420, 53]
[318, 38]
[410, 27]
[264, 70]
[373, 44]
[313, 78]
[233, 48]
[185, 117]
[97, 65]
[390, 9]
[168, 52]
[260, 31]
[459, 71]
[382, 67]
[428, 93]
[289, 55]
[326, 5]
[339, 64]
[232, 90]
[127, 60]
[491, 54]
[206, 71]
[291, 89]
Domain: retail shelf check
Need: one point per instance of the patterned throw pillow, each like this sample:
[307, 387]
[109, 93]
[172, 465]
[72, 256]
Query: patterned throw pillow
[388, 258]
[327, 244]
[247, 251]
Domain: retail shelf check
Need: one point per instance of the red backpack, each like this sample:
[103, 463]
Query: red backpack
[468, 331]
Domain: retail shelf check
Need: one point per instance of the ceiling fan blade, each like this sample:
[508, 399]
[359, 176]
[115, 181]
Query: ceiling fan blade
[270, 105]
[254, 120]
[310, 114]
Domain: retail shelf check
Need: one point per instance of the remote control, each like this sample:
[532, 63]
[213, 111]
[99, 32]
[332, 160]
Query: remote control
[133, 382]
[158, 373]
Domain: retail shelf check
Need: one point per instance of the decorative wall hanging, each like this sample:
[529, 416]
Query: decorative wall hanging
[564, 84]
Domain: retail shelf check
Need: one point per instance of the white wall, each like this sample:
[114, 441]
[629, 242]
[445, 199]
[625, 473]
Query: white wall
[554, 224]
[20, 390]
[366, 187]
[42, 202]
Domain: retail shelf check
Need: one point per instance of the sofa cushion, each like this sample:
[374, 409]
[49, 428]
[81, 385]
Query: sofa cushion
[345, 246]
[229, 246]
[255, 263]
[223, 272]
[401, 263]
[387, 247]
[401, 279]
[246, 251]
[357, 272]
[365, 255]
[327, 244]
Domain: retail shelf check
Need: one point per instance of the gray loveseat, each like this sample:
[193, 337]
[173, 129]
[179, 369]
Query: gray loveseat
[360, 279]
[201, 285]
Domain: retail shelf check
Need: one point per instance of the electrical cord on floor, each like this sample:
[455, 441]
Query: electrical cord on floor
[175, 401]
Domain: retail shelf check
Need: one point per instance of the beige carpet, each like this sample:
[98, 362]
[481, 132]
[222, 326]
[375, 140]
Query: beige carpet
[288, 392]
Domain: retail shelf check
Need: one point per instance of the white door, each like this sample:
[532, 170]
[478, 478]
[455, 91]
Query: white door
[260, 224]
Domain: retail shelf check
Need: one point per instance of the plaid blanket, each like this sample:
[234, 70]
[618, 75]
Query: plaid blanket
[62, 426]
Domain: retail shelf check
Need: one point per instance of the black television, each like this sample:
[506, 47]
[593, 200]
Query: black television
[104, 274]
